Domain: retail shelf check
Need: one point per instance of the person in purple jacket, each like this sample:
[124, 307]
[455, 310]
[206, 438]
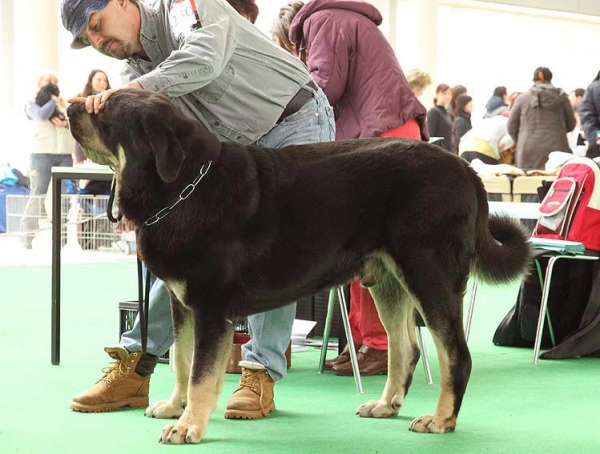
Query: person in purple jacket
[351, 60]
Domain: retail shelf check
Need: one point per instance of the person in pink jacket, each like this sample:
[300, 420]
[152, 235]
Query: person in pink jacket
[351, 60]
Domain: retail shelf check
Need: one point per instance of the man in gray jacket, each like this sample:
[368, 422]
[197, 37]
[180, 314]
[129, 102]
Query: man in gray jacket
[539, 122]
[222, 71]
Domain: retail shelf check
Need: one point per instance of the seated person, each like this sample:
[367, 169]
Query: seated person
[487, 141]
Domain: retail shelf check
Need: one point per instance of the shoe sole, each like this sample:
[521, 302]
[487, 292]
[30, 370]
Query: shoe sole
[238, 414]
[132, 402]
[331, 366]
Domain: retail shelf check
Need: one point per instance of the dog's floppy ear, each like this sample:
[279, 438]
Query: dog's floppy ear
[168, 150]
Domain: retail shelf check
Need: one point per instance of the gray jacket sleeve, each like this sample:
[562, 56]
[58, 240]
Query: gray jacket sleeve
[590, 116]
[514, 121]
[202, 55]
[570, 120]
[41, 113]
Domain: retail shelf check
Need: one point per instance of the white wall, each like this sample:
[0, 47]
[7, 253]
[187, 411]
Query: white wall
[571, 6]
[482, 45]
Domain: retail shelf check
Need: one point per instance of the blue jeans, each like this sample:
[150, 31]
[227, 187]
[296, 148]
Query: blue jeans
[270, 331]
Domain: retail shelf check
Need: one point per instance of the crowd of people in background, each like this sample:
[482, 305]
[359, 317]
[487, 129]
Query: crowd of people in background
[516, 128]
[525, 142]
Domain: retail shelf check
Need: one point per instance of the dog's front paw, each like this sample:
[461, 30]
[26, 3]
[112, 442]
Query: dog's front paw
[164, 409]
[377, 409]
[433, 425]
[181, 433]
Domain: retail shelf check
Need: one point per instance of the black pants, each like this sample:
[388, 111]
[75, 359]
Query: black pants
[471, 155]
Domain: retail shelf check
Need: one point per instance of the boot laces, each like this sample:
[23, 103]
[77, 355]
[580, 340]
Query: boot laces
[116, 370]
[250, 380]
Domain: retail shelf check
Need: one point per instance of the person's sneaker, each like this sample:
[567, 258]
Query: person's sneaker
[253, 398]
[121, 386]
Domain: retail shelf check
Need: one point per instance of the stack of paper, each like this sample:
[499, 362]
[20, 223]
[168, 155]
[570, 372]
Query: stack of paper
[567, 247]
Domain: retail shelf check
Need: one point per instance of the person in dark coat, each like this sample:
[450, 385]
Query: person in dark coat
[462, 117]
[439, 122]
[589, 112]
[539, 122]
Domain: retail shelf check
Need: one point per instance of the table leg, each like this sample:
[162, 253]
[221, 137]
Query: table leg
[56, 223]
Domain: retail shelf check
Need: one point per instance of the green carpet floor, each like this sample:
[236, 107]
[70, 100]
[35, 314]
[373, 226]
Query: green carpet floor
[510, 406]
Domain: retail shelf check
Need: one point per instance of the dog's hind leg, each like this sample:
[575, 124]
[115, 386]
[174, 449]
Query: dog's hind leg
[439, 287]
[396, 310]
[183, 327]
[213, 337]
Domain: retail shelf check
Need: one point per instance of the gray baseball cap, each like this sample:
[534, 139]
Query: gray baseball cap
[76, 15]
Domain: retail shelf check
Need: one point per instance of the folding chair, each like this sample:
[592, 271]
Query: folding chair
[556, 250]
[348, 331]
[545, 284]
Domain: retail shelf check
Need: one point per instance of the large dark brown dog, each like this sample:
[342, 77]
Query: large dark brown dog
[264, 227]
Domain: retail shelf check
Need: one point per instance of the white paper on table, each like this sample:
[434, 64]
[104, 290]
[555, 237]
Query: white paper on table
[300, 330]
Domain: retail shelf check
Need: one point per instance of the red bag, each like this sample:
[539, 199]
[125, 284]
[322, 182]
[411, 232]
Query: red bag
[571, 209]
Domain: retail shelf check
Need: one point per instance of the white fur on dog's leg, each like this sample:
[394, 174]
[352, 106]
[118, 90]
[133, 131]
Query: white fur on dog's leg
[429, 424]
[184, 431]
[377, 409]
[165, 409]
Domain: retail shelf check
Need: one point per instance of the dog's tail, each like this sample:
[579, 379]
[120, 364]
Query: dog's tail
[502, 250]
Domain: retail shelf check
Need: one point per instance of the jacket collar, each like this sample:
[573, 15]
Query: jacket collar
[149, 32]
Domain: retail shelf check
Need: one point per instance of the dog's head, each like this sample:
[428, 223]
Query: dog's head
[136, 127]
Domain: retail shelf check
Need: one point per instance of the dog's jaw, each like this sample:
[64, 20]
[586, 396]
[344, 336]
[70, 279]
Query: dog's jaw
[118, 168]
[101, 157]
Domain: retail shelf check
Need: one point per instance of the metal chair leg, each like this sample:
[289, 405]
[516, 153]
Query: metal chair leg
[541, 278]
[327, 330]
[543, 308]
[346, 322]
[545, 284]
[347, 329]
[470, 308]
[424, 356]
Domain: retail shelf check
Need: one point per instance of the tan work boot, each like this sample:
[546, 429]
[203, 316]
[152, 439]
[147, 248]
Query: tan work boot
[253, 398]
[120, 386]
